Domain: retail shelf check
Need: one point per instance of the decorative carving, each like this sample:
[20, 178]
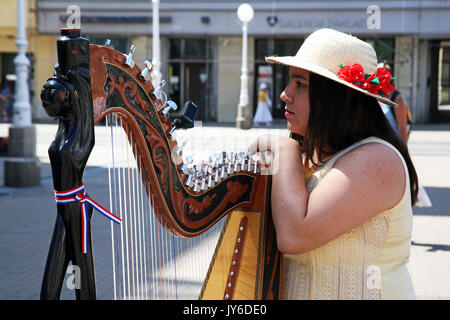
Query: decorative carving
[196, 207]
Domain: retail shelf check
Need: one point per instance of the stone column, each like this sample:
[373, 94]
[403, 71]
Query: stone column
[22, 167]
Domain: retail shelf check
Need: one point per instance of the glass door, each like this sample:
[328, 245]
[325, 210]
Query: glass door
[190, 74]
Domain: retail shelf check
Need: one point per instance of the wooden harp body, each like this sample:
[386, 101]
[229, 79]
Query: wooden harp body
[245, 263]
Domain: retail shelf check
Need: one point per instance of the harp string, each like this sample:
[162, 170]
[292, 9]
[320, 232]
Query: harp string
[149, 262]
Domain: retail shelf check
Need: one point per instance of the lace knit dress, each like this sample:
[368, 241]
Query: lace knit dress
[368, 262]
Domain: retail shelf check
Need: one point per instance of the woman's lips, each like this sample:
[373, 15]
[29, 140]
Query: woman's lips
[288, 113]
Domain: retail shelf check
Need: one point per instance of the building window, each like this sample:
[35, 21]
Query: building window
[444, 79]
[385, 49]
[190, 70]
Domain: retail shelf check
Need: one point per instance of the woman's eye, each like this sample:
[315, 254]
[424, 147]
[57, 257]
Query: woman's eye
[299, 84]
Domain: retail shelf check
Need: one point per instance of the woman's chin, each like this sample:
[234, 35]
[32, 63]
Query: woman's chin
[291, 127]
[294, 129]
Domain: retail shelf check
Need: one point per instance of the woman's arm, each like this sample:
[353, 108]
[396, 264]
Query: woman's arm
[363, 182]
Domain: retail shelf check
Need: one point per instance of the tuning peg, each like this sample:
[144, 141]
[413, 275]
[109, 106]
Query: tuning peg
[129, 57]
[107, 43]
[256, 168]
[189, 181]
[204, 184]
[210, 182]
[236, 166]
[190, 159]
[196, 186]
[171, 106]
[159, 88]
[223, 173]
[146, 74]
[184, 168]
[216, 176]
[179, 149]
[230, 168]
[250, 165]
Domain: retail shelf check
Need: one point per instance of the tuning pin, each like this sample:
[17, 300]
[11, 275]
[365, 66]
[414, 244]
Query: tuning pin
[190, 159]
[210, 167]
[146, 74]
[204, 184]
[108, 43]
[236, 166]
[171, 106]
[256, 169]
[191, 170]
[243, 159]
[159, 88]
[229, 168]
[179, 148]
[250, 165]
[216, 176]
[184, 168]
[129, 57]
[223, 173]
[189, 181]
[196, 186]
[210, 181]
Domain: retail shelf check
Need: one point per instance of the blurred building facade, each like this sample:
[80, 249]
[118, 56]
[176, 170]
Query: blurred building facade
[201, 43]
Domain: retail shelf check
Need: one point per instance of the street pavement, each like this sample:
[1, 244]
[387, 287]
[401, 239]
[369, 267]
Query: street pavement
[27, 215]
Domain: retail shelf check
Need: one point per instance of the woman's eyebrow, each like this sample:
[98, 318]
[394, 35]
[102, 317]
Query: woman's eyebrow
[298, 77]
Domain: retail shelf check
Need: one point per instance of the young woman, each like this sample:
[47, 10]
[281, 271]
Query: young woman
[345, 230]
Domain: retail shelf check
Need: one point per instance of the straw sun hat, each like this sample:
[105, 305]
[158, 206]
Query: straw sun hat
[344, 59]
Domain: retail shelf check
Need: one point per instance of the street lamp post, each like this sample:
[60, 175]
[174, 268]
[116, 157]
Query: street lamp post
[22, 167]
[156, 59]
[243, 120]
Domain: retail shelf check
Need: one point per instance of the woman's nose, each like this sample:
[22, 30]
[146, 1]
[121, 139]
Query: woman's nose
[285, 97]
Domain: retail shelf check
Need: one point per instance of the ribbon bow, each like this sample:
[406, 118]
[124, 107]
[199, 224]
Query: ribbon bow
[79, 194]
[377, 83]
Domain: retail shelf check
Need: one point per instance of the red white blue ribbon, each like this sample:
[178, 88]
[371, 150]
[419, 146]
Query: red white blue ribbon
[79, 194]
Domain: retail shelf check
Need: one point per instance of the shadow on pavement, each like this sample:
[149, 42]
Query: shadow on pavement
[439, 198]
[432, 246]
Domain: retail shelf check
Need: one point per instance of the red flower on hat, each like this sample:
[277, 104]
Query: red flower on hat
[384, 77]
[377, 83]
[353, 73]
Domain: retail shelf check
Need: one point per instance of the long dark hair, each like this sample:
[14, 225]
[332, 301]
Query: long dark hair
[340, 116]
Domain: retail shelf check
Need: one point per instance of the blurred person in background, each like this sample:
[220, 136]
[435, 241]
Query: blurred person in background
[399, 117]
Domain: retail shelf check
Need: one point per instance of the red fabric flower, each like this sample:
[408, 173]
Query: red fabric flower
[375, 83]
[384, 77]
[353, 73]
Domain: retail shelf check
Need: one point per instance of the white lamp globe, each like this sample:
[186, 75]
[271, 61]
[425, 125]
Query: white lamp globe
[245, 12]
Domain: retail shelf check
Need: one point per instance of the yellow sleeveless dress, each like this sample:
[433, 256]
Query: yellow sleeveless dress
[368, 262]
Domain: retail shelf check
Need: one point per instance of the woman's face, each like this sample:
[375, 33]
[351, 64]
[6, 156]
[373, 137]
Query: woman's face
[296, 97]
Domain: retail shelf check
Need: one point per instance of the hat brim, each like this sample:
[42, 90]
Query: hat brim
[292, 61]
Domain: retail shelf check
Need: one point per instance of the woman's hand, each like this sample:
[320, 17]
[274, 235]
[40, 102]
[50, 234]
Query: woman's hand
[265, 150]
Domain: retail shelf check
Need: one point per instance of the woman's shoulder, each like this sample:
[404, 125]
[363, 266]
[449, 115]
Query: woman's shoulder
[377, 165]
[372, 150]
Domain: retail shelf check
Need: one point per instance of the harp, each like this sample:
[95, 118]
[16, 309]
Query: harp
[188, 231]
